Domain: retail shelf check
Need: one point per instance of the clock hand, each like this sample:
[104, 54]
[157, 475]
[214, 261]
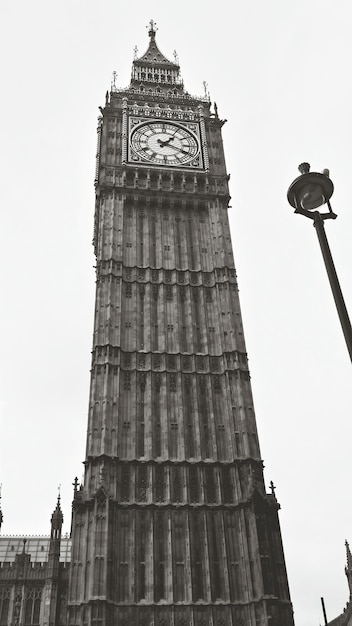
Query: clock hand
[164, 143]
[179, 149]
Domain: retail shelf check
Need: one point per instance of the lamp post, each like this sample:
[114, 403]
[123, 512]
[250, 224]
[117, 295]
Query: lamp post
[308, 192]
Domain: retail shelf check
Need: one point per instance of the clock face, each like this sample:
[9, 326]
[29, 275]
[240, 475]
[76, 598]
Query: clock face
[164, 143]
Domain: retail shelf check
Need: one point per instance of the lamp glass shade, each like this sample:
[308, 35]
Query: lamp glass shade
[311, 197]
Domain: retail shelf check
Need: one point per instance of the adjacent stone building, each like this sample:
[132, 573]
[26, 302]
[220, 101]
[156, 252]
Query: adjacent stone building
[34, 575]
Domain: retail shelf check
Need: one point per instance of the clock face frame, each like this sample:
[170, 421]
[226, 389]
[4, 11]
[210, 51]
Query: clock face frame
[164, 143]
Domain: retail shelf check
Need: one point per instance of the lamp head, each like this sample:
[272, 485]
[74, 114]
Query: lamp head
[310, 190]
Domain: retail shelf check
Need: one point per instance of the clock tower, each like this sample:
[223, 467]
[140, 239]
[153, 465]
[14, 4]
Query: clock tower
[172, 525]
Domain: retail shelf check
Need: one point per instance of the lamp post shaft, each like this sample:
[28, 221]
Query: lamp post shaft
[334, 281]
[324, 612]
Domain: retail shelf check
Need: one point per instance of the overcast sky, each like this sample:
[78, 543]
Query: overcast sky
[280, 73]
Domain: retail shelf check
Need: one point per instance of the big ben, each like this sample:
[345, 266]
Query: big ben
[172, 525]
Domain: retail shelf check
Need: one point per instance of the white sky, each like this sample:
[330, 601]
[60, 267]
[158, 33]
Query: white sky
[280, 72]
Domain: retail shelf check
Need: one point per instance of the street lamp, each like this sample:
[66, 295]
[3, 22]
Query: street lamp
[308, 192]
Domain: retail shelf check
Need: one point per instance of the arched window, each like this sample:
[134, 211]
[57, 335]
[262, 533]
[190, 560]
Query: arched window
[32, 609]
[36, 612]
[28, 612]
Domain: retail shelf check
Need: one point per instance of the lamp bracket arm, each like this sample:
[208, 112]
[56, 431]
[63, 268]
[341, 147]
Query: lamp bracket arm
[312, 214]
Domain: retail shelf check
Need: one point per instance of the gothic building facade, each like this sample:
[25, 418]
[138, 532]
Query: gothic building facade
[345, 619]
[172, 525]
[34, 575]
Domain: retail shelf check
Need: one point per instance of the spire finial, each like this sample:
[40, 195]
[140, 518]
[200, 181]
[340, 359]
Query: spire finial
[113, 81]
[176, 57]
[75, 486]
[135, 52]
[272, 488]
[152, 29]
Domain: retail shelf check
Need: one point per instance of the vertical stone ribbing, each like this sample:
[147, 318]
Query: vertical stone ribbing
[172, 525]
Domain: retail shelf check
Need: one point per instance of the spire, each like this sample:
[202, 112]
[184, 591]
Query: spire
[154, 67]
[348, 568]
[57, 519]
[153, 56]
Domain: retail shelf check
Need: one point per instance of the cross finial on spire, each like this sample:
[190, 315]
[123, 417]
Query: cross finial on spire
[75, 486]
[272, 488]
[152, 29]
[135, 52]
[176, 57]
